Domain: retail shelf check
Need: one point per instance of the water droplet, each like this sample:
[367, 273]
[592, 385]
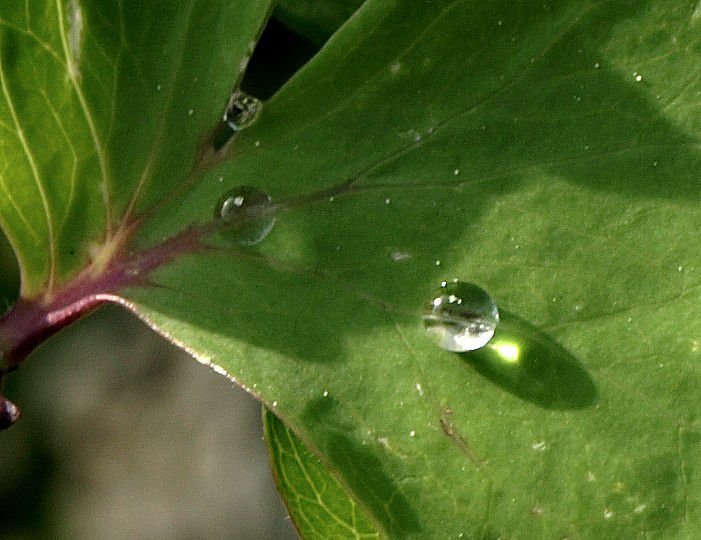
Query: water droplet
[325, 393]
[597, 65]
[398, 256]
[462, 317]
[9, 413]
[241, 111]
[190, 111]
[539, 446]
[608, 513]
[388, 200]
[244, 215]
[274, 403]
[456, 172]
[412, 433]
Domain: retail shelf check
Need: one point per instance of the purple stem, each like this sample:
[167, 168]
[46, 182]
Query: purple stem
[31, 322]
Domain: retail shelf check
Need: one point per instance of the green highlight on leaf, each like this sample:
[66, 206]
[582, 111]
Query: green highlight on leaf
[318, 505]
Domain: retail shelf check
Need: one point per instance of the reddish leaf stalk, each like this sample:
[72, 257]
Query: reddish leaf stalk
[30, 322]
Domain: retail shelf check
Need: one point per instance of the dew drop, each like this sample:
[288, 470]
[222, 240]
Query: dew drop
[241, 111]
[244, 215]
[461, 317]
[9, 413]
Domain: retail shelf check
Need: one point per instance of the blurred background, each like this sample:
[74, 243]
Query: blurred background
[123, 435]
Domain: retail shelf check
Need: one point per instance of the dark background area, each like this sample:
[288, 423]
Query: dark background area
[125, 436]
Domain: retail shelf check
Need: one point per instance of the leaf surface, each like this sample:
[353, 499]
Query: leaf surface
[549, 153]
[316, 19]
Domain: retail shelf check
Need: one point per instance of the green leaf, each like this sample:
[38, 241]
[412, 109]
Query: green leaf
[104, 106]
[316, 19]
[317, 503]
[548, 152]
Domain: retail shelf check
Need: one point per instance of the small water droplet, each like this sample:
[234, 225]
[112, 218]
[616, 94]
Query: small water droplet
[640, 508]
[9, 413]
[190, 111]
[419, 389]
[158, 87]
[438, 262]
[412, 433]
[326, 393]
[597, 65]
[608, 513]
[388, 200]
[244, 215]
[456, 172]
[462, 317]
[241, 111]
[399, 256]
[539, 446]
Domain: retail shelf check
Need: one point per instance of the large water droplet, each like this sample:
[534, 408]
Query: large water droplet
[244, 215]
[462, 316]
[9, 413]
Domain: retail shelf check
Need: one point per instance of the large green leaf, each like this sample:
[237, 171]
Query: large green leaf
[547, 152]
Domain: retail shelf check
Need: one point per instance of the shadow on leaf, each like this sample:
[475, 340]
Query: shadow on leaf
[528, 363]
[381, 495]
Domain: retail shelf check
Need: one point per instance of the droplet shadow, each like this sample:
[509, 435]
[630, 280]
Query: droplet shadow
[528, 363]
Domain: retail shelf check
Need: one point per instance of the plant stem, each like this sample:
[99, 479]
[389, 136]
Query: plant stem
[31, 322]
